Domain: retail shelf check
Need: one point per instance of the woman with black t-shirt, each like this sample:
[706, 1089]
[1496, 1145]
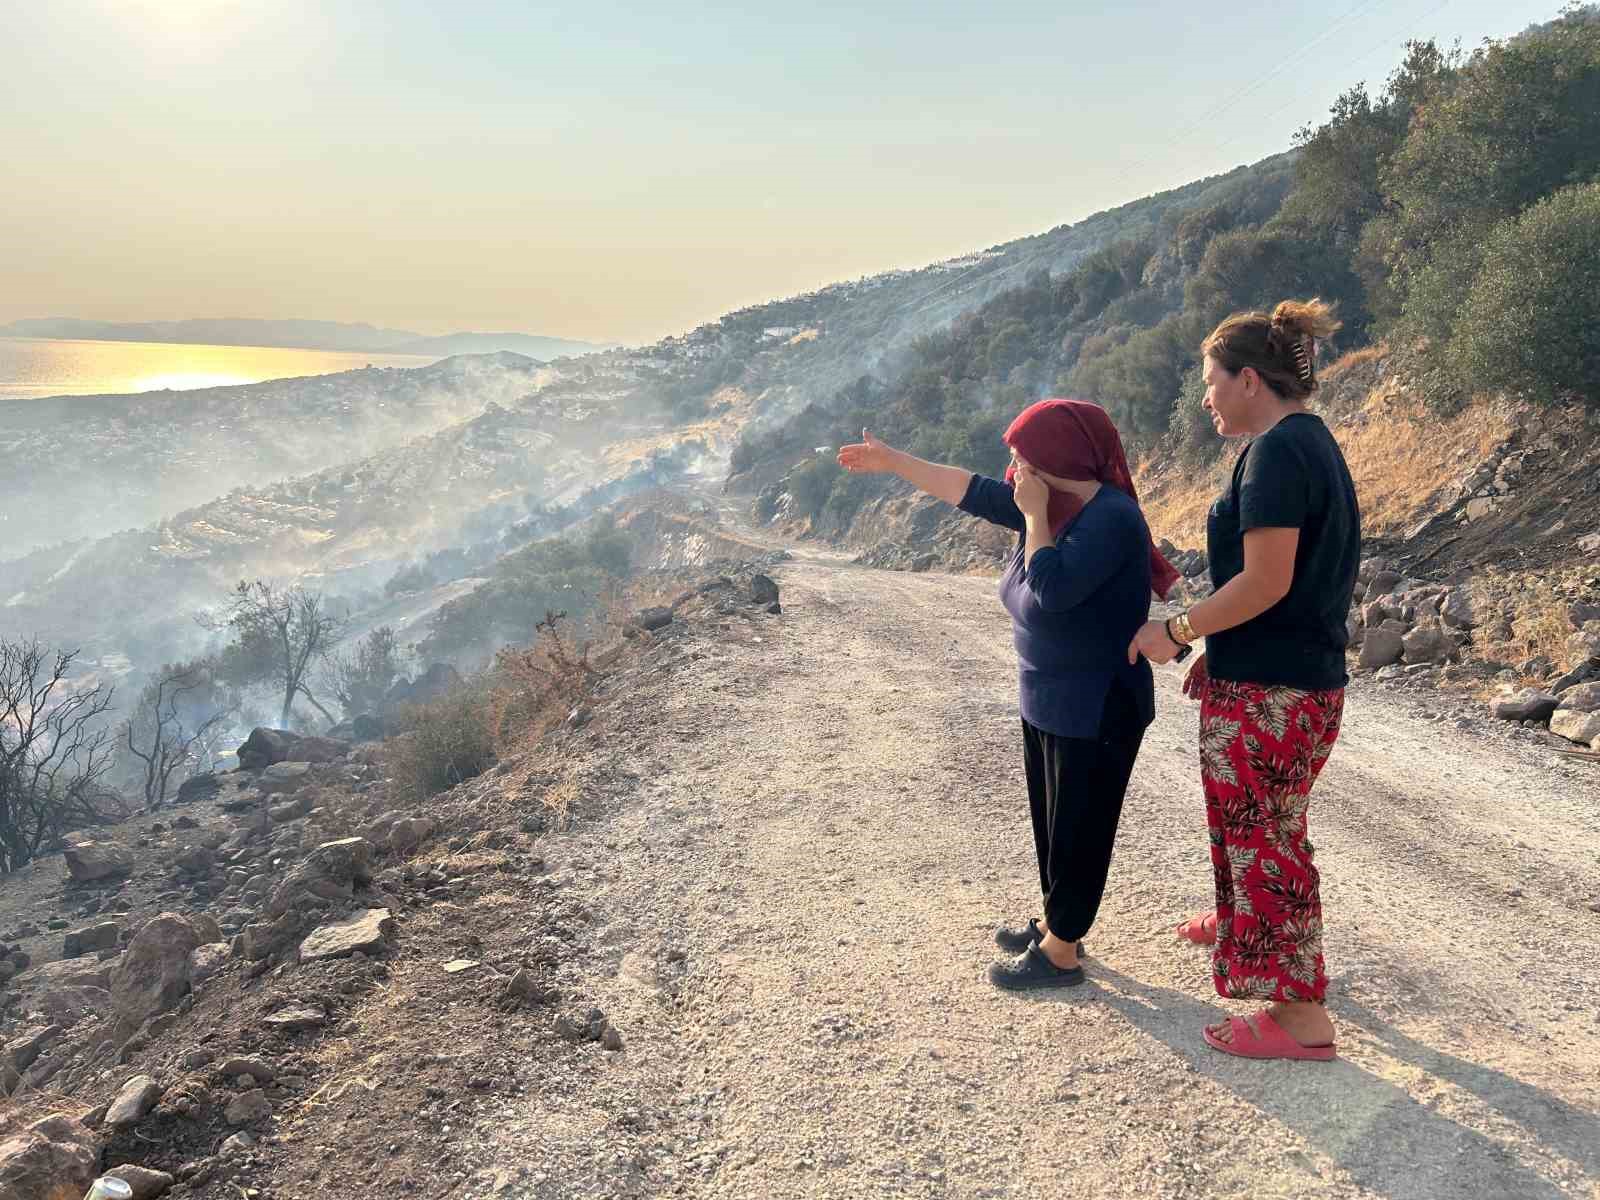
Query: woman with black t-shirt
[1284, 542]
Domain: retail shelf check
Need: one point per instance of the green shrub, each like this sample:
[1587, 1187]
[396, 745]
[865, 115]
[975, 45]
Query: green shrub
[1531, 321]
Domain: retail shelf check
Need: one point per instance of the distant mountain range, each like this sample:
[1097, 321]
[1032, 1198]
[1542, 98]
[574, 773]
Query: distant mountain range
[307, 335]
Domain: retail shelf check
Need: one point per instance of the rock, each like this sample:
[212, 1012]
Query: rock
[569, 1028]
[293, 809]
[1583, 673]
[91, 937]
[258, 1069]
[196, 788]
[1585, 697]
[146, 1184]
[1457, 611]
[433, 683]
[88, 861]
[1381, 647]
[1383, 582]
[330, 872]
[21, 1051]
[137, 1097]
[1528, 704]
[1355, 631]
[55, 1159]
[775, 608]
[1584, 646]
[239, 1143]
[763, 590]
[1426, 644]
[296, 1020]
[654, 618]
[611, 1039]
[457, 966]
[206, 960]
[524, 987]
[317, 750]
[410, 833]
[196, 860]
[249, 1108]
[368, 932]
[264, 747]
[284, 777]
[1581, 612]
[153, 974]
[1578, 717]
[195, 1059]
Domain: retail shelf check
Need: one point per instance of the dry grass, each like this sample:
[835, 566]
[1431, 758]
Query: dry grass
[1400, 453]
[1176, 501]
[1352, 360]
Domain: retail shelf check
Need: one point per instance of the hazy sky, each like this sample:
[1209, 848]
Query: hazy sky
[617, 171]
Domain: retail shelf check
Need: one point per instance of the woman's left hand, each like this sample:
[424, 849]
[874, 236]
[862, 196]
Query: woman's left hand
[1153, 642]
[1031, 493]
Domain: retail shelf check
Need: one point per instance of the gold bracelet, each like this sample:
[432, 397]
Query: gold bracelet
[1185, 630]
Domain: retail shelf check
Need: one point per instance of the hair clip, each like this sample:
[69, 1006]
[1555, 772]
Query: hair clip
[1302, 360]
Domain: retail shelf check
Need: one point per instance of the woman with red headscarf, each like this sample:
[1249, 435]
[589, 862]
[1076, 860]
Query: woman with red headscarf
[1077, 588]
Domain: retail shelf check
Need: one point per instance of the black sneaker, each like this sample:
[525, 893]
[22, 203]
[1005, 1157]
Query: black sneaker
[1015, 941]
[1031, 971]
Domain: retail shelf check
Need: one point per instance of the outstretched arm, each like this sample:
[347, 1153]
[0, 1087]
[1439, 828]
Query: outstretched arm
[938, 480]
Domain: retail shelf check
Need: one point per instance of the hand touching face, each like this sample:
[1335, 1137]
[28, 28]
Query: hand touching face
[1031, 493]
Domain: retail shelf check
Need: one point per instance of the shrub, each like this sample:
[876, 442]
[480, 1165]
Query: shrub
[441, 743]
[1531, 321]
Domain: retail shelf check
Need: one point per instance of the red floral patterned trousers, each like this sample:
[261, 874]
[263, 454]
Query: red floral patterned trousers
[1261, 749]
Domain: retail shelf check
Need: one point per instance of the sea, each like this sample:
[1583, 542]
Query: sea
[31, 368]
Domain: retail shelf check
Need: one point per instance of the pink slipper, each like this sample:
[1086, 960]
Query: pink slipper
[1270, 1042]
[1201, 929]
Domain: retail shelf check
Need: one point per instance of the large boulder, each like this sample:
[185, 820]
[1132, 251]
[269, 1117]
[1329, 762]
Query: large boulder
[1427, 643]
[54, 1159]
[88, 861]
[153, 973]
[1381, 647]
[763, 590]
[264, 747]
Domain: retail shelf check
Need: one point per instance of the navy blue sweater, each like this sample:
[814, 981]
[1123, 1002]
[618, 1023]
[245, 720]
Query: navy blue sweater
[1075, 607]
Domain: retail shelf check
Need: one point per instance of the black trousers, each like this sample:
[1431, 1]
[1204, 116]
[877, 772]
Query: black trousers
[1075, 789]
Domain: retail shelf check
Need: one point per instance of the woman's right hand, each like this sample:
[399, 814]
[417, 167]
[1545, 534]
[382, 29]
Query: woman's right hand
[867, 456]
[1194, 683]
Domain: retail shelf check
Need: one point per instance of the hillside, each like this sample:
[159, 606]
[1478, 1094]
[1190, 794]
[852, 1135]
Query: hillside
[79, 467]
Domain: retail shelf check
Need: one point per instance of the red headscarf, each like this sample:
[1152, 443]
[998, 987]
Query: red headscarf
[1074, 439]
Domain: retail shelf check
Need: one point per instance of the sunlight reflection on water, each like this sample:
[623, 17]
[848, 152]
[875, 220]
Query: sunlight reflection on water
[31, 368]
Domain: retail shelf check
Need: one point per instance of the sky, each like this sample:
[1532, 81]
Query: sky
[618, 171]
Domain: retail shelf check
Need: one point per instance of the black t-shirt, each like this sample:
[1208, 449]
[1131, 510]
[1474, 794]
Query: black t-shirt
[1292, 476]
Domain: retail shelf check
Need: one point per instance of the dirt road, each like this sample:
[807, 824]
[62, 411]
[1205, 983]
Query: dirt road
[821, 821]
